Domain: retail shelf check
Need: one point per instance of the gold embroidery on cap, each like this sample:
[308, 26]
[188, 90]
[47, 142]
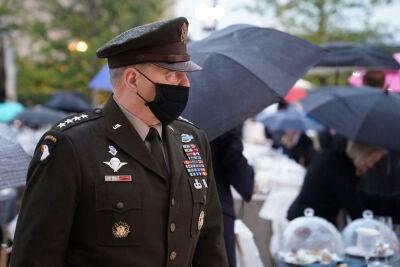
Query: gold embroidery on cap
[121, 229]
[184, 33]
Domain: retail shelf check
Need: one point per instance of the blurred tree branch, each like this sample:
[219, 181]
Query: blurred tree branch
[324, 20]
[54, 24]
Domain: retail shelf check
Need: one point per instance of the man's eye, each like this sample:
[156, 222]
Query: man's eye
[171, 74]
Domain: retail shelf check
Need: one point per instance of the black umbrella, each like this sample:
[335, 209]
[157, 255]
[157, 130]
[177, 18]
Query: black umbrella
[13, 161]
[245, 69]
[347, 56]
[363, 114]
[39, 116]
[68, 102]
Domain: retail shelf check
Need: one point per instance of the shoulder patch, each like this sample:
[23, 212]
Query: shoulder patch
[45, 148]
[76, 119]
[180, 118]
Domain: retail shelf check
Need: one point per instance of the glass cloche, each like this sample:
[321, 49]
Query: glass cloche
[310, 239]
[369, 236]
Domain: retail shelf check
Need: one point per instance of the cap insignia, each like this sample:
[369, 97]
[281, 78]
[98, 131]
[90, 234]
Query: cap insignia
[184, 33]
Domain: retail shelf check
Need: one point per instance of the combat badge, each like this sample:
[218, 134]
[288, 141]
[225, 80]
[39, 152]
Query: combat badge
[121, 229]
[186, 138]
[201, 220]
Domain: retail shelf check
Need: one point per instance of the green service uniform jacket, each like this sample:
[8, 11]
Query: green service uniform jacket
[95, 197]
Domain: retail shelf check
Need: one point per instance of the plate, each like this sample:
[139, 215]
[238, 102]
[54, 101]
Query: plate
[291, 258]
[305, 257]
[357, 252]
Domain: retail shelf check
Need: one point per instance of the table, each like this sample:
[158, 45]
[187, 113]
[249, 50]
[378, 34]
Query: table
[351, 261]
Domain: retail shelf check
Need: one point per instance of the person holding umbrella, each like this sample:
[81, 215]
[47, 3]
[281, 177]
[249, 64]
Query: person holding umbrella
[130, 184]
[369, 117]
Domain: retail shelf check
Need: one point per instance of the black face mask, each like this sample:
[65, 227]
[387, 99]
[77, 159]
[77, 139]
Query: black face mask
[169, 102]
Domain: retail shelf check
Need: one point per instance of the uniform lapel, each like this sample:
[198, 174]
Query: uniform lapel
[123, 134]
[176, 156]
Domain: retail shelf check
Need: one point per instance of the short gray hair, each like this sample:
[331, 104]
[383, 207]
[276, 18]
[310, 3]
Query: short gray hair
[116, 73]
[115, 76]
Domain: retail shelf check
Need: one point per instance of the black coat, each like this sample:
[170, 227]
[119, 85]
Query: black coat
[331, 184]
[303, 151]
[74, 213]
[231, 169]
[384, 176]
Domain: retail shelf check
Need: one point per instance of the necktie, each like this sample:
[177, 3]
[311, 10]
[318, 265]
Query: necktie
[156, 149]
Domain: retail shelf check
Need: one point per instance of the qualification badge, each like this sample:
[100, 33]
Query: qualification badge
[115, 164]
[121, 229]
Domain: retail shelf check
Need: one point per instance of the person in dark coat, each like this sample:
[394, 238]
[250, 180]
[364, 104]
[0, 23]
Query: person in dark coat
[298, 146]
[231, 169]
[329, 140]
[332, 183]
[131, 184]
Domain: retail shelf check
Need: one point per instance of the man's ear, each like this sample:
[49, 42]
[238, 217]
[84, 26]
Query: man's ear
[130, 78]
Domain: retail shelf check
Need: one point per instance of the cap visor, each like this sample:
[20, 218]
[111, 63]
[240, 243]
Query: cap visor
[187, 66]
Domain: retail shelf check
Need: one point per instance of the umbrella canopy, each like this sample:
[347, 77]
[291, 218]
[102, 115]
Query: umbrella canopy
[102, 80]
[366, 115]
[13, 161]
[8, 110]
[68, 102]
[39, 116]
[245, 69]
[290, 119]
[348, 56]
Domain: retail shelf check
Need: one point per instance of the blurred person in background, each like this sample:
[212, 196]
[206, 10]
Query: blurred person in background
[374, 78]
[384, 177]
[298, 146]
[332, 183]
[231, 169]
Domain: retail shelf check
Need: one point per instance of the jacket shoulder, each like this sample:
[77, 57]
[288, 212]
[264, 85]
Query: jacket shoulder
[77, 120]
[183, 120]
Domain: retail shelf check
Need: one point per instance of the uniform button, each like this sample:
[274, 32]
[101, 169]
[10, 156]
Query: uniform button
[172, 227]
[172, 255]
[172, 201]
[120, 205]
[97, 110]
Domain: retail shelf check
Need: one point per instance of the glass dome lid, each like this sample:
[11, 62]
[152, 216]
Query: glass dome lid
[310, 239]
[368, 231]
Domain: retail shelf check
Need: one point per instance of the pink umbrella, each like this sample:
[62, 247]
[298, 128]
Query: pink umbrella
[392, 78]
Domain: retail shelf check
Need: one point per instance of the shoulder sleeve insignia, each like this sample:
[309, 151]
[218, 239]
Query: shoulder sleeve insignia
[44, 150]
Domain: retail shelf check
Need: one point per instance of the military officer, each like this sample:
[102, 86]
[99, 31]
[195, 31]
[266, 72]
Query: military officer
[130, 184]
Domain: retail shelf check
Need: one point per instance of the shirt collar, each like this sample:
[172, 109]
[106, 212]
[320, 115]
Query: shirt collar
[141, 127]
